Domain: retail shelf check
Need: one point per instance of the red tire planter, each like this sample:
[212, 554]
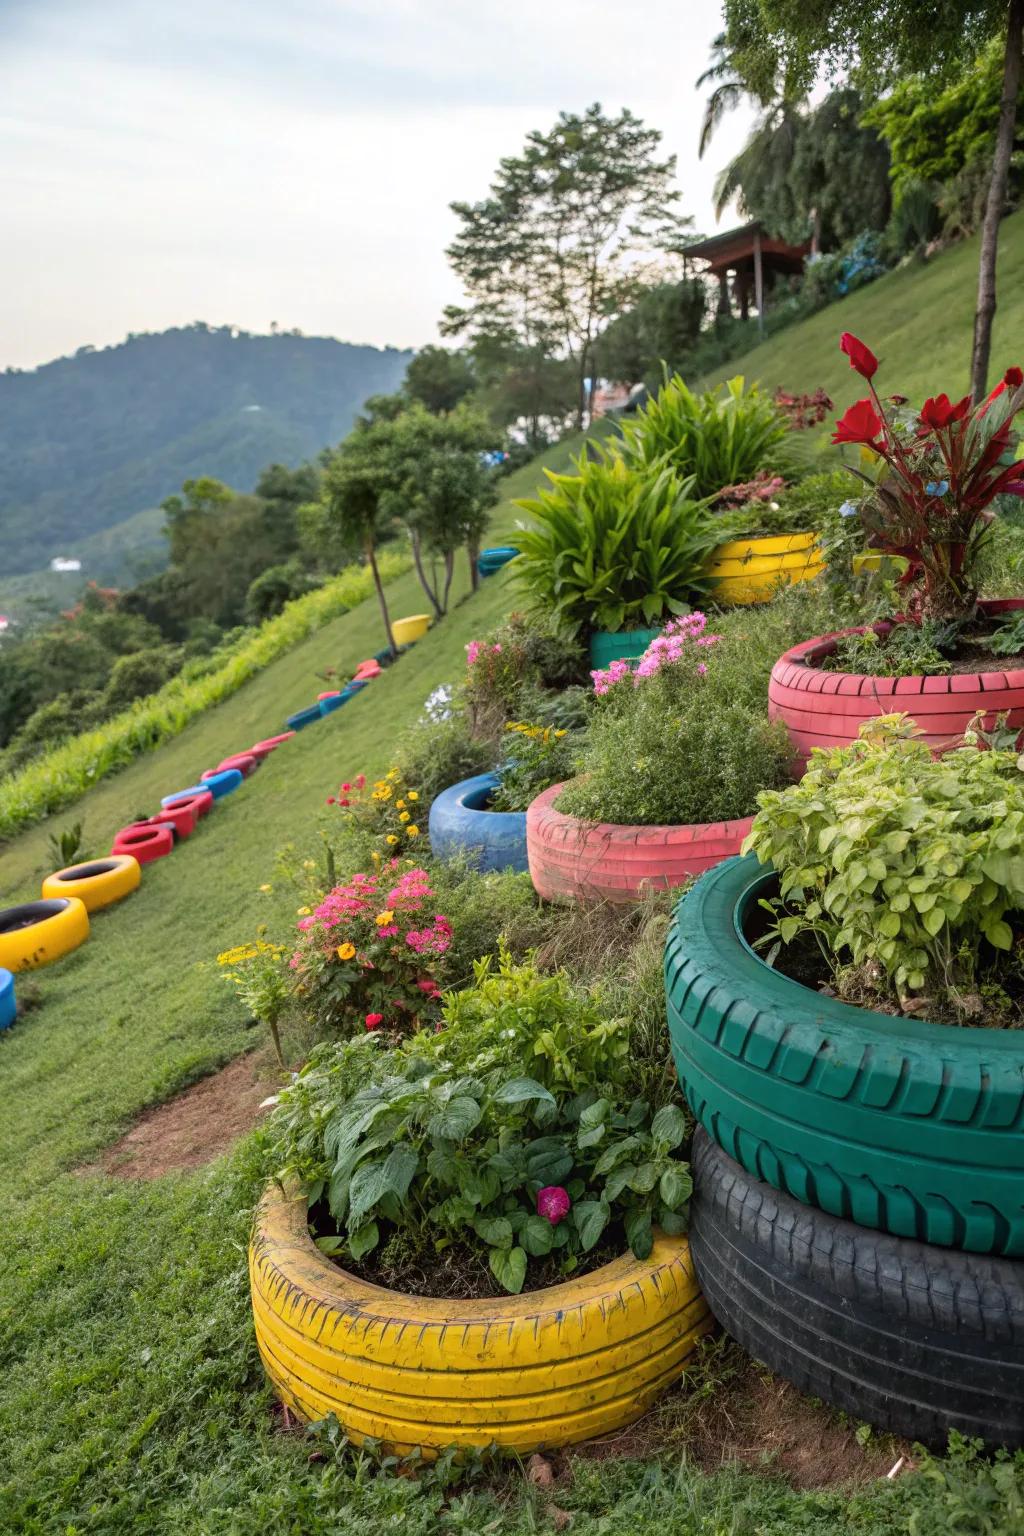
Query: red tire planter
[332, 693]
[599, 861]
[182, 817]
[827, 709]
[368, 669]
[144, 841]
[245, 762]
[263, 748]
[201, 801]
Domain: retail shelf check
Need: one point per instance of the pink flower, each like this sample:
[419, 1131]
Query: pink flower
[553, 1203]
[374, 1020]
[428, 985]
[388, 931]
[473, 650]
[346, 786]
[360, 781]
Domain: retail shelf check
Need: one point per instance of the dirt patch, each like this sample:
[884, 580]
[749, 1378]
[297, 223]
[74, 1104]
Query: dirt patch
[750, 1417]
[196, 1126]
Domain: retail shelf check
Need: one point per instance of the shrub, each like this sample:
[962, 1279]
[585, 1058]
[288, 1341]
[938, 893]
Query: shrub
[434, 754]
[384, 815]
[133, 677]
[370, 954]
[902, 865]
[667, 746]
[507, 1134]
[718, 438]
[541, 756]
[614, 546]
[65, 774]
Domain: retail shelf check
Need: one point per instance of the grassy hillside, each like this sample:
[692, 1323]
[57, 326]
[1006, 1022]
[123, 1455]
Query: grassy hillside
[918, 320]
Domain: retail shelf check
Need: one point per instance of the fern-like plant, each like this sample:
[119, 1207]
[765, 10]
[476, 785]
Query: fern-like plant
[614, 546]
[721, 437]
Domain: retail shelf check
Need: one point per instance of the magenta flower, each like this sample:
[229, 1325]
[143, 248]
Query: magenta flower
[553, 1203]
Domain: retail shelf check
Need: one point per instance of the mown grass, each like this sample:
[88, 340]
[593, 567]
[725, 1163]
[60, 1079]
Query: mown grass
[131, 1398]
[919, 320]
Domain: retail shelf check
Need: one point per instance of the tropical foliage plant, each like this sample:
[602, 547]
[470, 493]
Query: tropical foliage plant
[616, 545]
[717, 438]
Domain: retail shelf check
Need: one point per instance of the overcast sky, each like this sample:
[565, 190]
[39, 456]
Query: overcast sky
[250, 161]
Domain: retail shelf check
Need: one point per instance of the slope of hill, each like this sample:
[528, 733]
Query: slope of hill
[89, 441]
[919, 320]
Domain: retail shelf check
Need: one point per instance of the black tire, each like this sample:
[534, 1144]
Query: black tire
[911, 1338]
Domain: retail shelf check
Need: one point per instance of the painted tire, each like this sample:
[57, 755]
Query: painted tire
[39, 932]
[913, 1339]
[8, 1002]
[183, 817]
[753, 570]
[144, 841]
[303, 717]
[408, 631]
[335, 701]
[903, 1125]
[573, 860]
[460, 823]
[368, 670]
[222, 782]
[827, 709]
[385, 657]
[355, 686]
[491, 560]
[548, 1368]
[331, 693]
[245, 762]
[198, 799]
[97, 883]
[262, 748]
[624, 645]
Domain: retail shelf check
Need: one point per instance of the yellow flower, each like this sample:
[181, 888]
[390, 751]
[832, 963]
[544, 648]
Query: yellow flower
[309, 863]
[412, 795]
[413, 831]
[405, 816]
[391, 838]
[303, 911]
[399, 804]
[345, 951]
[375, 856]
[383, 918]
[266, 887]
[559, 735]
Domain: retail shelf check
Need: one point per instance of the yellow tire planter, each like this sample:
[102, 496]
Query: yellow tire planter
[97, 883]
[406, 631]
[752, 570]
[545, 1369]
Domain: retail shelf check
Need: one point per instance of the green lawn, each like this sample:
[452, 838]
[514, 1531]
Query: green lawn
[919, 321]
[131, 1400]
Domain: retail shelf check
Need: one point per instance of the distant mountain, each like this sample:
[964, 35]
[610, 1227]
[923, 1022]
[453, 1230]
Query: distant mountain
[89, 441]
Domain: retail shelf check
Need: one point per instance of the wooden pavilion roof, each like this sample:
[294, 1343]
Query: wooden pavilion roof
[736, 248]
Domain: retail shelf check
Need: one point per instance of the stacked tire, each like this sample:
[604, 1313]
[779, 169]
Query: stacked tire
[858, 1214]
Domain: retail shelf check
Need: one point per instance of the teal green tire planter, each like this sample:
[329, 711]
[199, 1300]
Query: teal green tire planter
[491, 560]
[899, 1124]
[303, 717]
[8, 1006]
[624, 645]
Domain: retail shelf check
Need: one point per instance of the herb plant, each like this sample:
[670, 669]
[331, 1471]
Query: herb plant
[505, 1133]
[904, 867]
[615, 545]
[905, 650]
[539, 756]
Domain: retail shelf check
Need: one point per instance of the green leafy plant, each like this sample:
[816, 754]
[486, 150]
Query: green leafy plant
[541, 755]
[718, 438]
[1008, 639]
[902, 650]
[505, 1133]
[263, 983]
[66, 845]
[904, 867]
[615, 545]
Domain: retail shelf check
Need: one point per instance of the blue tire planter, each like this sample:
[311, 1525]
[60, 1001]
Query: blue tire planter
[491, 560]
[8, 1006]
[354, 686]
[328, 706]
[303, 717]
[183, 794]
[624, 645]
[460, 823]
[223, 783]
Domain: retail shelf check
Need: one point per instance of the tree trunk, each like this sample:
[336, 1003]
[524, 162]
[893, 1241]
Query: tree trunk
[449, 569]
[417, 560]
[473, 551]
[996, 201]
[371, 555]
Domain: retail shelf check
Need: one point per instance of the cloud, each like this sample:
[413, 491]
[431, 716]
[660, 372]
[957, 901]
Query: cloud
[256, 162]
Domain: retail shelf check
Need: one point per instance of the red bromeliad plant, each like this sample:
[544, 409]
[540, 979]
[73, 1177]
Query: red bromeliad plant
[371, 955]
[941, 471]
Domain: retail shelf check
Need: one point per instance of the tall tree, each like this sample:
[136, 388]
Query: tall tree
[881, 43]
[545, 258]
[439, 378]
[356, 516]
[728, 90]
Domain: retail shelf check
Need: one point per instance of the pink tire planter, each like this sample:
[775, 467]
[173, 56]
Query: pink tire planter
[573, 860]
[827, 709]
